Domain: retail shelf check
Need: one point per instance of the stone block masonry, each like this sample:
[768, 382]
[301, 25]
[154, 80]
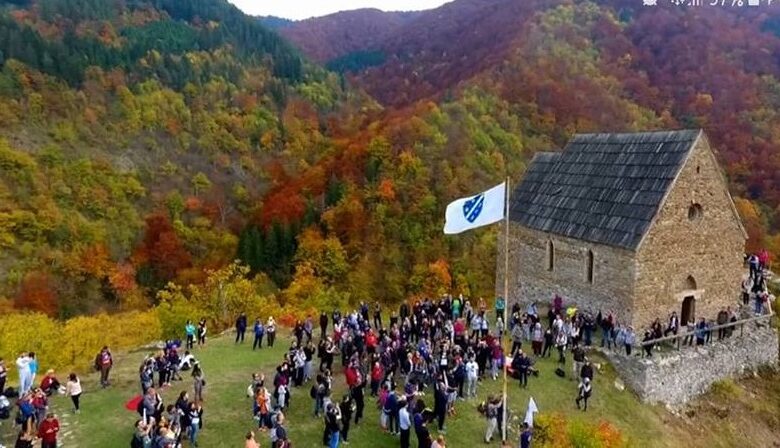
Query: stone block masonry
[674, 378]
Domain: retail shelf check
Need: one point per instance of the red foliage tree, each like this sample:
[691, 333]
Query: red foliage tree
[37, 293]
[163, 249]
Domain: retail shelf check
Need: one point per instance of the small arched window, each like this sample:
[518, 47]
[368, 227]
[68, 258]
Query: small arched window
[695, 212]
[690, 283]
[550, 256]
[589, 267]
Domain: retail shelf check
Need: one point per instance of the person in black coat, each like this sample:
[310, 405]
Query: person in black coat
[347, 407]
[440, 402]
[323, 325]
[240, 328]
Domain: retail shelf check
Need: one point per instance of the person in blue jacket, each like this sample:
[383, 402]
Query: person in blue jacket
[259, 332]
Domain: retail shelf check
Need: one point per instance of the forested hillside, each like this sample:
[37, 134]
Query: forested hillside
[579, 66]
[330, 37]
[138, 140]
[154, 142]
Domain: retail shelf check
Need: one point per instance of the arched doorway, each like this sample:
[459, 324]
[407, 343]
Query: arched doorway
[688, 313]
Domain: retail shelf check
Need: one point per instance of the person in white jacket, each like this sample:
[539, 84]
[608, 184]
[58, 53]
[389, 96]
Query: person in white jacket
[472, 372]
[25, 374]
[73, 390]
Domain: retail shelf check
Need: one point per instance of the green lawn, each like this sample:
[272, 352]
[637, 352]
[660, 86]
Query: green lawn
[105, 423]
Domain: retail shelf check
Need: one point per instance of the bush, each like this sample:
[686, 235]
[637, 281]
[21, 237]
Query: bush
[725, 388]
[73, 344]
[554, 431]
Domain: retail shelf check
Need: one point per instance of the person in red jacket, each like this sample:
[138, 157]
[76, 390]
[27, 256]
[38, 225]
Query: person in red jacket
[377, 373]
[48, 430]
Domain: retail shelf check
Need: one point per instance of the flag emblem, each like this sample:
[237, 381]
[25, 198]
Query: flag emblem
[473, 207]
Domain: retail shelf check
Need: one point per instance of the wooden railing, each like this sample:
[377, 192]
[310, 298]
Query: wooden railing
[676, 339]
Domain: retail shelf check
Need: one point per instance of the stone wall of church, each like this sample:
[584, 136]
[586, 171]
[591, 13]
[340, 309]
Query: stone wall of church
[676, 377]
[530, 280]
[708, 248]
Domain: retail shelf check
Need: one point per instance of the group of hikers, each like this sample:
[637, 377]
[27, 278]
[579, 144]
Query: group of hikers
[443, 349]
[34, 417]
[166, 426]
[754, 286]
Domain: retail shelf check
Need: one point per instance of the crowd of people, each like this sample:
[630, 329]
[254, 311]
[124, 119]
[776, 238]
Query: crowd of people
[414, 367]
[162, 425]
[34, 418]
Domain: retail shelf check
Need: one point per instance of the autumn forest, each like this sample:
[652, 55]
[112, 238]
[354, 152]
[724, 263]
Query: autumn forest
[152, 149]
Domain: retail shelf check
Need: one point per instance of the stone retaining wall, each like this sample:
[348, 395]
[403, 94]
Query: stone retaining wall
[676, 377]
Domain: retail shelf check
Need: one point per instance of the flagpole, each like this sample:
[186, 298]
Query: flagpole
[506, 303]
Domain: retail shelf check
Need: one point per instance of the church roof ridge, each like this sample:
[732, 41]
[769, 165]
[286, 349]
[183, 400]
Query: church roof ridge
[603, 187]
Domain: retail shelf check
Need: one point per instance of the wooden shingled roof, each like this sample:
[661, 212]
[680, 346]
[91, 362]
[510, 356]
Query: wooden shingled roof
[602, 188]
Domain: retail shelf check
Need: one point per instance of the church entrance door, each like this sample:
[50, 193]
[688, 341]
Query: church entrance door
[688, 310]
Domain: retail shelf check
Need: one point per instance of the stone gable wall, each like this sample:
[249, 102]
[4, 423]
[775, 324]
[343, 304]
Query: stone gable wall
[710, 249]
[529, 280]
[677, 377]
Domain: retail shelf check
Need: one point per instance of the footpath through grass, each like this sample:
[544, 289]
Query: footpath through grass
[105, 423]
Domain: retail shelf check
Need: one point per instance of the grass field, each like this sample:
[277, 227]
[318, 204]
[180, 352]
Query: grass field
[105, 423]
[743, 412]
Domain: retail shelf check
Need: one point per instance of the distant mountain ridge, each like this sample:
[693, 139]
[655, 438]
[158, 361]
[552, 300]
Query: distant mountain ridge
[335, 35]
[275, 23]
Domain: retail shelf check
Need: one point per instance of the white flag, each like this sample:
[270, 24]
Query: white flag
[529, 414]
[476, 211]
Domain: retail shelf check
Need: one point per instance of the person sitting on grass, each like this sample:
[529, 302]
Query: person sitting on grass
[49, 383]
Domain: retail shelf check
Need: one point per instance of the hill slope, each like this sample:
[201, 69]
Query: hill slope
[580, 64]
[115, 110]
[335, 35]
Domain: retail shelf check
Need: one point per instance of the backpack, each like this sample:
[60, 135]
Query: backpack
[10, 392]
[560, 372]
[313, 392]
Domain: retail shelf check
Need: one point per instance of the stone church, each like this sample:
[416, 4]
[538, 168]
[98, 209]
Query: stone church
[640, 224]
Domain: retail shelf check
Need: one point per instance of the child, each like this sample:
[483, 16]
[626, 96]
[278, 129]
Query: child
[281, 396]
[583, 393]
